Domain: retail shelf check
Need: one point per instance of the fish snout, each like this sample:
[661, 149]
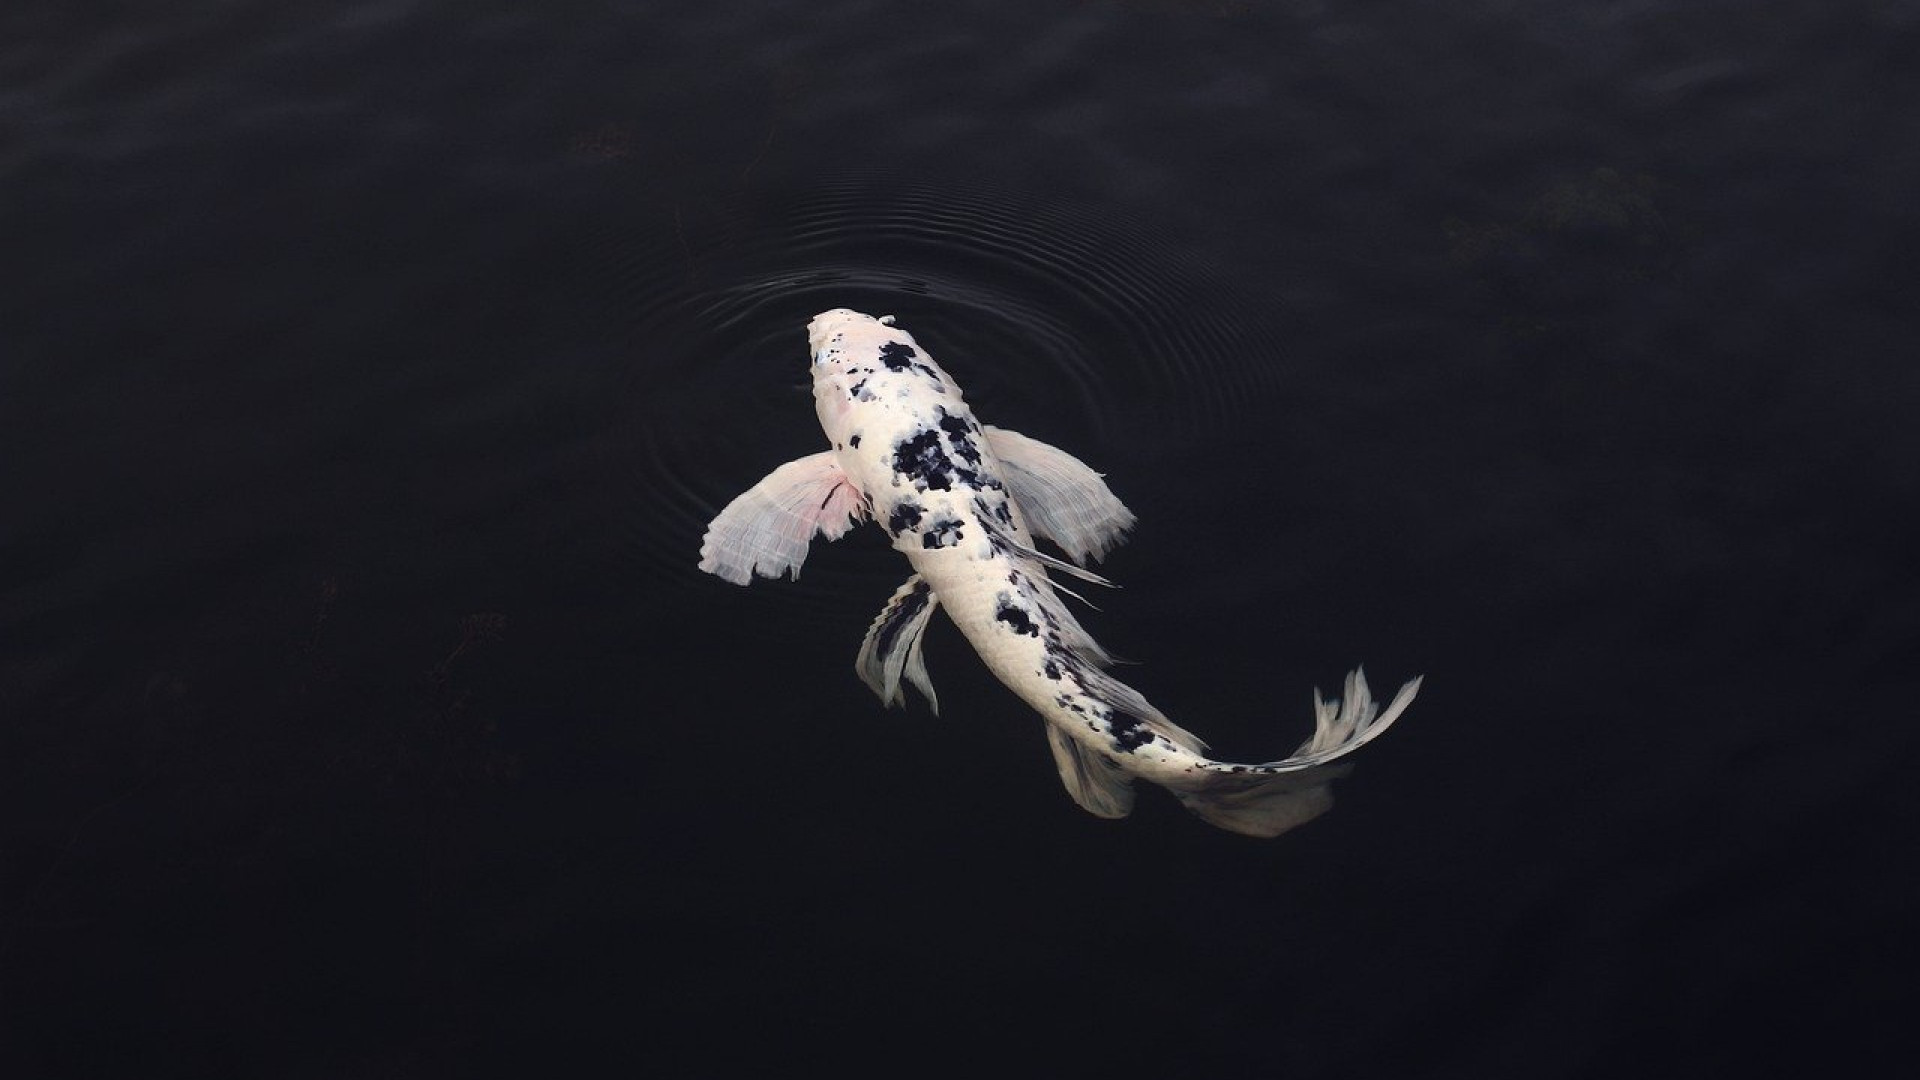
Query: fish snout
[823, 328]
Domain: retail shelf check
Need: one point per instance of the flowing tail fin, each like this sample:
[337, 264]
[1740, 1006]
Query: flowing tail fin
[1269, 799]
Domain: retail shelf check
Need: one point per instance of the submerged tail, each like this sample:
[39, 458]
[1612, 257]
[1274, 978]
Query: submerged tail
[1269, 799]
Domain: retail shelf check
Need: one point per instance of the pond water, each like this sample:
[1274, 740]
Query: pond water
[370, 371]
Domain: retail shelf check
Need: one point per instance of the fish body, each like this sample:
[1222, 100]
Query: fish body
[964, 503]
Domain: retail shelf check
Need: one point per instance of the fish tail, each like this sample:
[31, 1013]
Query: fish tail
[1268, 799]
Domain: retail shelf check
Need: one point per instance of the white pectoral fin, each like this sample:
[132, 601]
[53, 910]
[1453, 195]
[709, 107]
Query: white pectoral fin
[892, 647]
[1062, 498]
[767, 529]
[1101, 788]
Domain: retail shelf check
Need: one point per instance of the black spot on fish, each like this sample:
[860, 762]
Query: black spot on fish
[963, 433]
[906, 515]
[969, 473]
[1016, 617]
[858, 391]
[920, 458]
[854, 441]
[1051, 669]
[1130, 733]
[966, 445]
[943, 533]
[899, 356]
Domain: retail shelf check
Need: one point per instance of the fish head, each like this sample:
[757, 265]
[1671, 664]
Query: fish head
[838, 340]
[837, 334]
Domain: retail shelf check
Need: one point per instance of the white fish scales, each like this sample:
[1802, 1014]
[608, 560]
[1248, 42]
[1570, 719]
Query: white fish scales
[964, 503]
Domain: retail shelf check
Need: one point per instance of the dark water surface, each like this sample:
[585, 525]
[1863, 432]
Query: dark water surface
[369, 371]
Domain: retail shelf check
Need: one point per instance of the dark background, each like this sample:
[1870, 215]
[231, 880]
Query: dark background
[368, 372]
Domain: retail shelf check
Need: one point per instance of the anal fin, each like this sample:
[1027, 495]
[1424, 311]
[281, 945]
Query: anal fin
[1098, 785]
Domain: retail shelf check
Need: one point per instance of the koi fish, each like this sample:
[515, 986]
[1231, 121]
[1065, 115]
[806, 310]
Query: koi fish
[964, 502]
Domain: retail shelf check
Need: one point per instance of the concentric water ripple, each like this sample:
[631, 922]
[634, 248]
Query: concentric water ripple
[1039, 310]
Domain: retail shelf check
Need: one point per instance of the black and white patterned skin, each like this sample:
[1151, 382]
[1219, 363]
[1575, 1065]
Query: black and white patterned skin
[964, 502]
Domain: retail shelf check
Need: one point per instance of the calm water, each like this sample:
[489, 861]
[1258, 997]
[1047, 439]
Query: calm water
[369, 372]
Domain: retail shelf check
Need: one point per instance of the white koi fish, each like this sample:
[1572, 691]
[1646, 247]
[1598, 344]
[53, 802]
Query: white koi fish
[963, 503]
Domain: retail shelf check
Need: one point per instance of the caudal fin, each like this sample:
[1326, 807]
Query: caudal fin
[1269, 799]
[1267, 809]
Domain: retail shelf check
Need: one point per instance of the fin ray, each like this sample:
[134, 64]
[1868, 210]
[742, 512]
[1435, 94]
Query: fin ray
[1024, 550]
[1125, 699]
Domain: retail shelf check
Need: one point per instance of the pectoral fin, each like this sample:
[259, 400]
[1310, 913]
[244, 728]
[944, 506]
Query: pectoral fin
[1098, 785]
[1062, 498]
[767, 529]
[892, 647]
